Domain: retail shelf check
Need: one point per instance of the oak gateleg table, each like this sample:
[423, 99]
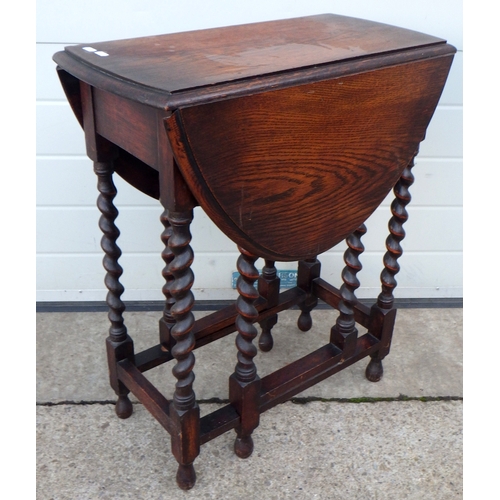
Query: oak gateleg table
[288, 134]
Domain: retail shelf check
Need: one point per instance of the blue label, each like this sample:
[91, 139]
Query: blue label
[288, 278]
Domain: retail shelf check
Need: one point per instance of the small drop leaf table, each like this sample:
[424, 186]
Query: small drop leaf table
[288, 134]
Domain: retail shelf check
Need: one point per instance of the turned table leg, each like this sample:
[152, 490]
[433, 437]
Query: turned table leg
[244, 383]
[383, 313]
[185, 412]
[345, 334]
[269, 288]
[119, 345]
[308, 270]
[167, 320]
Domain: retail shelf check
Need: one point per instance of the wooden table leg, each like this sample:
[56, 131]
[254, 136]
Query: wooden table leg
[185, 412]
[269, 288]
[167, 321]
[383, 313]
[119, 345]
[244, 383]
[308, 270]
[345, 334]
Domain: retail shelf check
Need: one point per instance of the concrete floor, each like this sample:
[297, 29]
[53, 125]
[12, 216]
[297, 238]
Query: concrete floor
[405, 443]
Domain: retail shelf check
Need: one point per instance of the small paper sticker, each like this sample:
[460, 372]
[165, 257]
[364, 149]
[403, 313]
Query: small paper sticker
[101, 53]
[89, 49]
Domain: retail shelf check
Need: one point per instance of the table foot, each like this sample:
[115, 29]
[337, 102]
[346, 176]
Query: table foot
[123, 407]
[266, 340]
[305, 321]
[243, 447]
[186, 476]
[374, 370]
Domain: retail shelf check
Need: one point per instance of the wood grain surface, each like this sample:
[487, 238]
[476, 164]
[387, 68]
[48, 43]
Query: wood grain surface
[182, 61]
[290, 173]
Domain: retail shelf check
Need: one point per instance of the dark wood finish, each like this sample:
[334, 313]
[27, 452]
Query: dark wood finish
[119, 344]
[269, 288]
[218, 325]
[296, 377]
[178, 62]
[312, 159]
[244, 383]
[146, 393]
[332, 296]
[185, 412]
[288, 134]
[308, 271]
[344, 333]
[167, 321]
[383, 314]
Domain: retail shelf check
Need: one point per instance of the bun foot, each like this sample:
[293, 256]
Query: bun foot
[243, 447]
[374, 370]
[123, 407]
[305, 322]
[186, 476]
[266, 341]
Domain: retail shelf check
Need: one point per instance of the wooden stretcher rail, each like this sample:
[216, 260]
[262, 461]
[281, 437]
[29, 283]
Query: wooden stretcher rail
[294, 378]
[331, 296]
[276, 388]
[146, 393]
[288, 381]
[217, 325]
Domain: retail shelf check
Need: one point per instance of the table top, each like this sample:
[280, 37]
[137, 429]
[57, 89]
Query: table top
[181, 61]
[288, 133]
